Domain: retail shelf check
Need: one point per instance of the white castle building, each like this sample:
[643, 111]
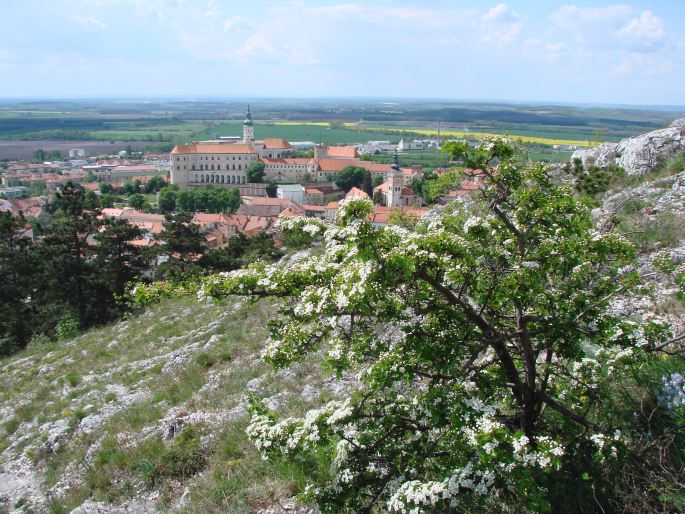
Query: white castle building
[223, 162]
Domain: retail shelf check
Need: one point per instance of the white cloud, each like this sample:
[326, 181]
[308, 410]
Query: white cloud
[89, 22]
[256, 45]
[576, 18]
[645, 26]
[232, 22]
[501, 25]
[537, 48]
[612, 27]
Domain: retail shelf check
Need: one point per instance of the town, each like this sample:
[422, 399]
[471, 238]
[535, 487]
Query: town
[273, 178]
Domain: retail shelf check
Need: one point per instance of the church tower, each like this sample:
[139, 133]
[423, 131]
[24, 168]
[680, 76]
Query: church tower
[393, 198]
[248, 127]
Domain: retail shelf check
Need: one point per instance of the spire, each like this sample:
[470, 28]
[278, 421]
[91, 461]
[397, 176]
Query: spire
[395, 161]
[248, 116]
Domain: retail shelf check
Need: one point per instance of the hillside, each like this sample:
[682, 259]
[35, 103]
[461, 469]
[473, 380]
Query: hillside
[148, 414]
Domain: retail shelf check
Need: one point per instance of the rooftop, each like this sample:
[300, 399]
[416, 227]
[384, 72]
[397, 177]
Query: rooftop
[214, 147]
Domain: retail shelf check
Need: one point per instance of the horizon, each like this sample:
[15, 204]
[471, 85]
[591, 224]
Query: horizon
[554, 53]
[248, 99]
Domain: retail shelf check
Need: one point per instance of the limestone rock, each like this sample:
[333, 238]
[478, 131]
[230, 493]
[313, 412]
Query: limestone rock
[603, 155]
[640, 154]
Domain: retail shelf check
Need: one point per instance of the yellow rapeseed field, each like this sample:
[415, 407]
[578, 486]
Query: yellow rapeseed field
[478, 135]
[447, 132]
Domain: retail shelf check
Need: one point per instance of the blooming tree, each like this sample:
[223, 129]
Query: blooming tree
[480, 337]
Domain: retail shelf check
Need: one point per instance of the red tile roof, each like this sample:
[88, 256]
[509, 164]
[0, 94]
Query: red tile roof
[287, 161]
[219, 147]
[289, 213]
[336, 164]
[314, 208]
[357, 193]
[276, 143]
[137, 167]
[348, 152]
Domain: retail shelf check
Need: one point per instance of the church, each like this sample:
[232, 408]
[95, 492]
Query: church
[223, 162]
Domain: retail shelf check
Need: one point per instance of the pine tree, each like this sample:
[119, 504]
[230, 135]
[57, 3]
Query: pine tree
[17, 280]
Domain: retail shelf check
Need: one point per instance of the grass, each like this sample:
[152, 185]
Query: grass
[316, 132]
[103, 370]
[663, 230]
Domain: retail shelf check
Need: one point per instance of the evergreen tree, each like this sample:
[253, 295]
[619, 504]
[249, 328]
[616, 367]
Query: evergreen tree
[367, 184]
[17, 280]
[118, 262]
[67, 254]
[182, 245]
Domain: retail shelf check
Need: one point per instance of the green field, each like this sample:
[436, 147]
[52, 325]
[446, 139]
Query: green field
[302, 132]
[328, 121]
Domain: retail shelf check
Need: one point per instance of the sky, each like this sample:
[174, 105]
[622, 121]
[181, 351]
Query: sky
[540, 51]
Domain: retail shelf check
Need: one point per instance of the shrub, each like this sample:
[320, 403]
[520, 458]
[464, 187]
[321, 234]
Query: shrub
[73, 378]
[67, 328]
[11, 426]
[205, 360]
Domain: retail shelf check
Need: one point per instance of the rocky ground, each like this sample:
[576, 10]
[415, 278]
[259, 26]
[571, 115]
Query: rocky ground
[640, 154]
[652, 215]
[181, 364]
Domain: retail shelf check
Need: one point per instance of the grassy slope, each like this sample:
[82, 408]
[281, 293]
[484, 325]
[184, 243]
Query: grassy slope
[91, 418]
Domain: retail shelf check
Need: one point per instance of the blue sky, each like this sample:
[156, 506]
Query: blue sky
[632, 53]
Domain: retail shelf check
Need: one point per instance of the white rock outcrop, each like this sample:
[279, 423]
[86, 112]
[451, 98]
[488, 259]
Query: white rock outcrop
[640, 154]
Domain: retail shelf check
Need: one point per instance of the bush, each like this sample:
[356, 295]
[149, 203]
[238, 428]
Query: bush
[11, 426]
[205, 360]
[67, 328]
[72, 378]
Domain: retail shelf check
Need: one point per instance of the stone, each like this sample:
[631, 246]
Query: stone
[640, 154]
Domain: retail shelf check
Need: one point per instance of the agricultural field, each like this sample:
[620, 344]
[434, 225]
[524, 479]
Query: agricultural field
[521, 135]
[23, 150]
[328, 121]
[321, 132]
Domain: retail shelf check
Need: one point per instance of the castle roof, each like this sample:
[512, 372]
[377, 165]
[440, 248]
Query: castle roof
[211, 147]
[276, 143]
[348, 152]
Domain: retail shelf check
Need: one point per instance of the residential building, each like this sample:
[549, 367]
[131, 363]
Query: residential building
[415, 144]
[313, 196]
[13, 192]
[294, 192]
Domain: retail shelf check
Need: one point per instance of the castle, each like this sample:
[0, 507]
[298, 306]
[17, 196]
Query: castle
[222, 162]
[225, 163]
